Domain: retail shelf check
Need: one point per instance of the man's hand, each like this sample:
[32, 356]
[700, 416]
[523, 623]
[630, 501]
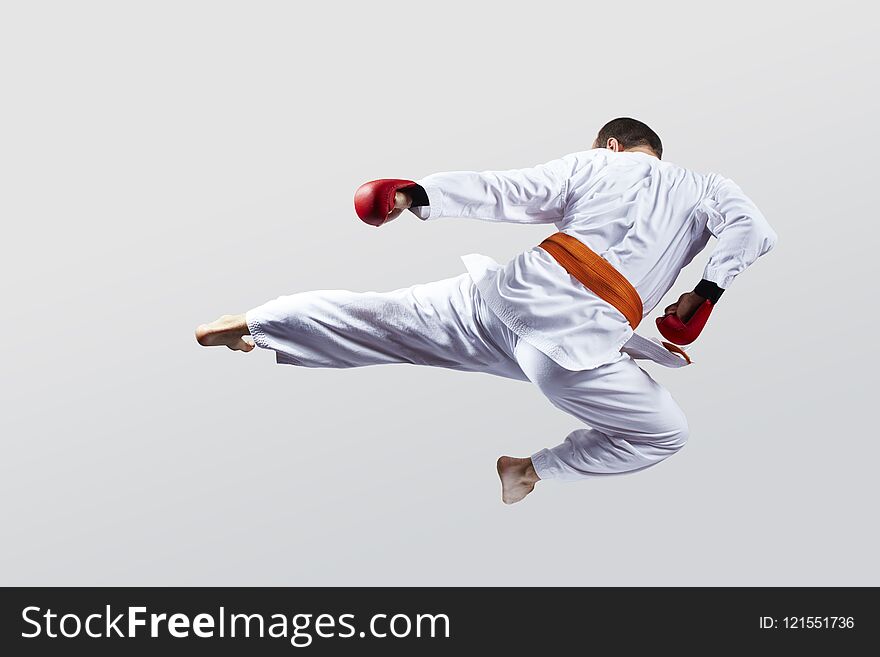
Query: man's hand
[685, 319]
[402, 201]
[685, 307]
[379, 201]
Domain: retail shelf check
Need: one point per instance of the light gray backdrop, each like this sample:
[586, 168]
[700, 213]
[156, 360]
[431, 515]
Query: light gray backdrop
[167, 162]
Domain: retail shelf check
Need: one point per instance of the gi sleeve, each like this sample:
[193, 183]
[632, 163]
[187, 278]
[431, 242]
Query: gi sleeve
[742, 231]
[536, 195]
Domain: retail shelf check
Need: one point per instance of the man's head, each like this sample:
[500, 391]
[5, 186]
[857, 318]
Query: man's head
[628, 134]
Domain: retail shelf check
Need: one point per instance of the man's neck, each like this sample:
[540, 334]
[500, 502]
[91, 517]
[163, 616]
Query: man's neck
[640, 149]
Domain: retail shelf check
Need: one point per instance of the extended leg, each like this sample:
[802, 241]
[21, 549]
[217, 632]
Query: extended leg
[443, 324]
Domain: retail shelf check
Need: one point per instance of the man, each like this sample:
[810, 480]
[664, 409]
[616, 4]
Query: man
[561, 315]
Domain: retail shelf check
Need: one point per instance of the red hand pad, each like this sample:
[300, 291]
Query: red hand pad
[375, 199]
[676, 331]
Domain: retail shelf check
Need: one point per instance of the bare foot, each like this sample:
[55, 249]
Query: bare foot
[518, 478]
[228, 331]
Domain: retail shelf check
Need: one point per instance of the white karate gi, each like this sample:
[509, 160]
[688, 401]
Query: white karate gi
[529, 319]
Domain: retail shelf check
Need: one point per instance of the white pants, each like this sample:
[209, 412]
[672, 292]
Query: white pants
[632, 421]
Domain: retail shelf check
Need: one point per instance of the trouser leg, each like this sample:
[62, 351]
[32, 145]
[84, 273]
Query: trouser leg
[443, 324]
[633, 422]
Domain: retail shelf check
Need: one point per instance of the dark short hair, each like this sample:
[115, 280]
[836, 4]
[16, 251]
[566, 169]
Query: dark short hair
[629, 133]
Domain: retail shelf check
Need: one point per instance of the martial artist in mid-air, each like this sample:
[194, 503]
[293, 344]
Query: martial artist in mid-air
[561, 314]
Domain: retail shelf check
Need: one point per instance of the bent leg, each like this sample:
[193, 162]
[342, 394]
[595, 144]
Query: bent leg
[633, 422]
[443, 324]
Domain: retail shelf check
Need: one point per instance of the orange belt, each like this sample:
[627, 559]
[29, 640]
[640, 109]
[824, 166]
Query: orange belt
[596, 274]
[600, 277]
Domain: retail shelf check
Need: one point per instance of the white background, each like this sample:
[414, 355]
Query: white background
[162, 163]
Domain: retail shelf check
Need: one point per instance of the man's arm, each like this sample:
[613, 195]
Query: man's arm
[743, 235]
[535, 195]
[742, 231]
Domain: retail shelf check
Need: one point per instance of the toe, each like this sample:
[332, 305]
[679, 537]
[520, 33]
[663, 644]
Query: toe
[202, 333]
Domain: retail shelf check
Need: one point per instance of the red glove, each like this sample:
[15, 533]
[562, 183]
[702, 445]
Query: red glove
[676, 331]
[373, 201]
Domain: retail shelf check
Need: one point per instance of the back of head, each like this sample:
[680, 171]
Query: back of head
[630, 133]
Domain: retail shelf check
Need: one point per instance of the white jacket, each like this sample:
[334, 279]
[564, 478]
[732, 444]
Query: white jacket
[647, 217]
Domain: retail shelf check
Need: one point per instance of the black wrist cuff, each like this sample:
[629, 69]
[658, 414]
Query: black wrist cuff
[418, 195]
[708, 290]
